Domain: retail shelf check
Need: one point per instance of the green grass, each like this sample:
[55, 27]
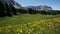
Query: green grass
[30, 24]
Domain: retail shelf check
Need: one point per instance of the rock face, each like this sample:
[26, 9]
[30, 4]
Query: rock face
[12, 2]
[39, 8]
[17, 6]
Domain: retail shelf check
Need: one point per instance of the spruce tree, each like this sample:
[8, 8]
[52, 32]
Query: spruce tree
[2, 9]
[30, 10]
[13, 10]
[8, 12]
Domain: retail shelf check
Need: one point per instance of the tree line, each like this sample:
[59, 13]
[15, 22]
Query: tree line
[31, 11]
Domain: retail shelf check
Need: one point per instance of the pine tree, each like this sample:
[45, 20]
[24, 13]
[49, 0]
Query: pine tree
[8, 12]
[30, 10]
[13, 10]
[2, 9]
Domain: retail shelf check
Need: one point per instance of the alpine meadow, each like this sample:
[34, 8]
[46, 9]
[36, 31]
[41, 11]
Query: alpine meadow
[19, 19]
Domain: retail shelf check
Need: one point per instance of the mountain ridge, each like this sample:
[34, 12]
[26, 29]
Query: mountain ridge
[12, 2]
[39, 8]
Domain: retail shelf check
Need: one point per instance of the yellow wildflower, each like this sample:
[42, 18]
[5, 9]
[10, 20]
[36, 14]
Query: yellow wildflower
[0, 30]
[36, 33]
[28, 32]
[19, 30]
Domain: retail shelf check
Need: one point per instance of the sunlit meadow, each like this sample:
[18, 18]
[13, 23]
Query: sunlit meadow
[30, 24]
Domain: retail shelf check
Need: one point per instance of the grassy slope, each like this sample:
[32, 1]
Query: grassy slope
[30, 24]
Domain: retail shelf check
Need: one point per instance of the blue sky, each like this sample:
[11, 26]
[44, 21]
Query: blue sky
[55, 4]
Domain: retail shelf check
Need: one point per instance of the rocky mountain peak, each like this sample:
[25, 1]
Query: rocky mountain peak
[12, 2]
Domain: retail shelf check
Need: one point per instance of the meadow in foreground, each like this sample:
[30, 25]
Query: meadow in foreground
[30, 24]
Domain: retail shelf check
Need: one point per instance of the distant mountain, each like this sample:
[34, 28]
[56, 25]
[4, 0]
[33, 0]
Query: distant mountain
[11, 2]
[39, 8]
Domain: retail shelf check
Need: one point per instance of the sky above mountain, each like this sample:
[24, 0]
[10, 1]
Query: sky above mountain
[55, 4]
